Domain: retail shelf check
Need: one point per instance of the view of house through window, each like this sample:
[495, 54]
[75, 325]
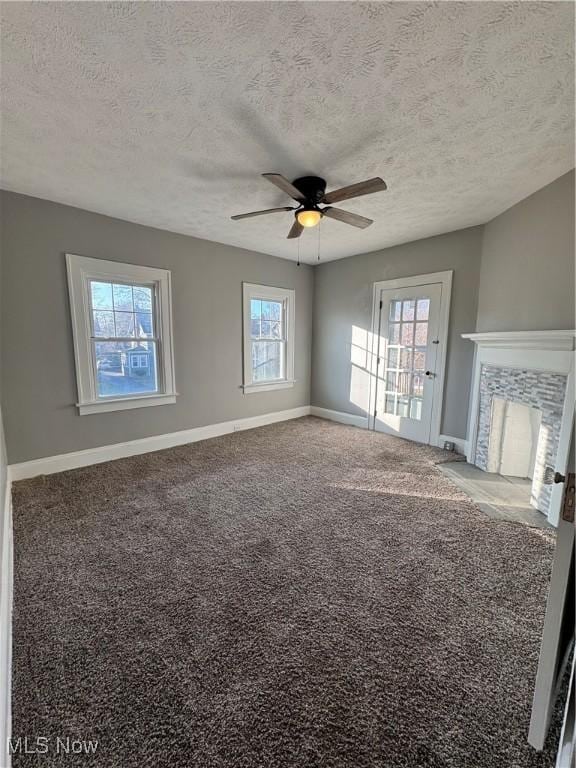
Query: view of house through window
[122, 327]
[123, 339]
[268, 340]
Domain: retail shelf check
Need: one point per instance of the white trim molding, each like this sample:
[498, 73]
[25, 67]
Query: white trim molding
[6, 591]
[551, 351]
[549, 340]
[81, 271]
[51, 464]
[445, 280]
[352, 419]
[123, 403]
[286, 297]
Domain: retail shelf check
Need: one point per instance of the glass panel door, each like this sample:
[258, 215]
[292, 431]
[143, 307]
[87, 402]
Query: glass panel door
[406, 361]
[406, 356]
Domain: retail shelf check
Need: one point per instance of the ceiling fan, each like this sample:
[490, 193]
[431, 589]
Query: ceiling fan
[310, 192]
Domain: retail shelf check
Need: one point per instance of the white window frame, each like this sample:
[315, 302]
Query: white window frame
[288, 299]
[81, 270]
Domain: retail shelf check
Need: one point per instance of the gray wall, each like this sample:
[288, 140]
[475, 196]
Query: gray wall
[5, 597]
[3, 457]
[527, 273]
[38, 378]
[343, 300]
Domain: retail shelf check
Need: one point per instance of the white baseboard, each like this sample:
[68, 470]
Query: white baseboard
[51, 464]
[460, 445]
[6, 585]
[343, 418]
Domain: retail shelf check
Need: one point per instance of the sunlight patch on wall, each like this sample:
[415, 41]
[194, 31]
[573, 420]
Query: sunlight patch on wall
[362, 367]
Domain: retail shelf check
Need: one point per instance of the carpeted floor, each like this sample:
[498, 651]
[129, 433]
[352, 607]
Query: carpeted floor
[302, 595]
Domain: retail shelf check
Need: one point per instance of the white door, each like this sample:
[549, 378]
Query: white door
[406, 374]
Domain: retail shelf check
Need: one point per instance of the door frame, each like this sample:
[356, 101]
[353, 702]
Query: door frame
[445, 280]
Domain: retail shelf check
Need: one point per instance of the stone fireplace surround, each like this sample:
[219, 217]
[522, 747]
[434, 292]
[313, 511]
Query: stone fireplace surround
[534, 368]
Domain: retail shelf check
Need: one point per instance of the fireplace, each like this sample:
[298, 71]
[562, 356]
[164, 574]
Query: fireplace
[521, 409]
[519, 421]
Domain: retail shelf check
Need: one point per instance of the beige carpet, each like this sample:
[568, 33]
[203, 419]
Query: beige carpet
[306, 595]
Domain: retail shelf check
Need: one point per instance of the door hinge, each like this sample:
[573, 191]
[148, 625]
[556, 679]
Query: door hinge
[569, 498]
[375, 411]
[380, 303]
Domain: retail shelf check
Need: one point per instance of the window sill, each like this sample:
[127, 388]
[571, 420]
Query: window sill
[250, 389]
[125, 403]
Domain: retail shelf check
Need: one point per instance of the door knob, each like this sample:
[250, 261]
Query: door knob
[430, 374]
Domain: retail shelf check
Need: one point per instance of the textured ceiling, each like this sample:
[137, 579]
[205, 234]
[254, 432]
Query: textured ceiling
[166, 113]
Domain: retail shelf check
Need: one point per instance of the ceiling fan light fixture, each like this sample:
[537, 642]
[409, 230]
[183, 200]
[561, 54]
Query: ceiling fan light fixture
[308, 217]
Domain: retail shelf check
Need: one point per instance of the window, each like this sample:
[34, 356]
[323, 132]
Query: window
[122, 323]
[140, 361]
[268, 338]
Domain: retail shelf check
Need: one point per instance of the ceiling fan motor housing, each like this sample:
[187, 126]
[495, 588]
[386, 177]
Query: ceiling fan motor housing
[312, 187]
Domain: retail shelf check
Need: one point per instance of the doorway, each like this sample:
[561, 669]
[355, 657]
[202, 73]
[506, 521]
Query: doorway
[410, 328]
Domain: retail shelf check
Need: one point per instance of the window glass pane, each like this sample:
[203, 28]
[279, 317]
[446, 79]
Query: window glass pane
[408, 309]
[101, 295]
[276, 330]
[404, 383]
[419, 359]
[267, 361]
[123, 297]
[421, 333]
[255, 329]
[124, 323]
[392, 357]
[418, 385]
[407, 336]
[423, 309]
[402, 406]
[395, 309]
[390, 404]
[117, 375]
[266, 329]
[103, 323]
[406, 358]
[255, 308]
[275, 310]
[142, 298]
[394, 333]
[266, 310]
[391, 381]
[416, 408]
[144, 323]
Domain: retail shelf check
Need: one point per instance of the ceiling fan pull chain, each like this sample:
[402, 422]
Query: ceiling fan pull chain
[298, 262]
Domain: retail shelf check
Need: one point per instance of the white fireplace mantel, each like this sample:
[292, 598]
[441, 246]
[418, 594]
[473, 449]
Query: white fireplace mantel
[551, 340]
[551, 351]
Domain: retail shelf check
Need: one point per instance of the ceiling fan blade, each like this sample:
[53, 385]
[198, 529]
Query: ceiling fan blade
[295, 230]
[260, 213]
[283, 184]
[347, 218]
[356, 190]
